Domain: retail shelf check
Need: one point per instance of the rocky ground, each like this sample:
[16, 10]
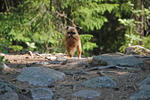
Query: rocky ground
[54, 77]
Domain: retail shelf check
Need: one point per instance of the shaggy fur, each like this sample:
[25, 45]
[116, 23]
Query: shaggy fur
[73, 42]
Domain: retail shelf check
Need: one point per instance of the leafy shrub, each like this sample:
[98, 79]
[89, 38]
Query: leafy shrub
[87, 45]
[146, 42]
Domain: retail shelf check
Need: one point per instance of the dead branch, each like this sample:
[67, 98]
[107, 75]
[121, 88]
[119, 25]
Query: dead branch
[65, 16]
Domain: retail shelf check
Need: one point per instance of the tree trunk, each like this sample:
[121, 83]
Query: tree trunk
[142, 22]
[50, 5]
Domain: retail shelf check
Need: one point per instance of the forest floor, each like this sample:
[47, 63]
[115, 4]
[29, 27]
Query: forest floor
[126, 79]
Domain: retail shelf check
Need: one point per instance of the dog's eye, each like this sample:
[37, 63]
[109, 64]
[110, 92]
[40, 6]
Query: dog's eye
[71, 32]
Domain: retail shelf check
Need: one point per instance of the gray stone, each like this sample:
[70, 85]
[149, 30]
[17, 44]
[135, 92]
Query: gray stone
[117, 60]
[144, 93]
[145, 83]
[141, 95]
[61, 99]
[9, 96]
[100, 82]
[89, 94]
[7, 91]
[42, 94]
[6, 87]
[39, 76]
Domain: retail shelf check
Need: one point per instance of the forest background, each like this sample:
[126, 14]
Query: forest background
[106, 25]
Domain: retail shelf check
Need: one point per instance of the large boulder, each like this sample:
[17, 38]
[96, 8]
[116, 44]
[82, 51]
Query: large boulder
[40, 76]
[137, 50]
[117, 60]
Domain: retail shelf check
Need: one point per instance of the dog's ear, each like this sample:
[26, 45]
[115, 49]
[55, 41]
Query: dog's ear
[67, 27]
[78, 28]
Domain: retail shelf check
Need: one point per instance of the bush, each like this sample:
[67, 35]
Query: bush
[87, 45]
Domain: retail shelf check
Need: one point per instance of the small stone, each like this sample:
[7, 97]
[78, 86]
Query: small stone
[52, 58]
[100, 82]
[88, 94]
[42, 94]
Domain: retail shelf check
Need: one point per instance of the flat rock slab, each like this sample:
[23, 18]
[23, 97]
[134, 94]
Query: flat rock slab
[39, 76]
[42, 94]
[87, 94]
[117, 60]
[100, 82]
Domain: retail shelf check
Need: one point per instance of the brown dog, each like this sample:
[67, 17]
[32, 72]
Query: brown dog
[73, 41]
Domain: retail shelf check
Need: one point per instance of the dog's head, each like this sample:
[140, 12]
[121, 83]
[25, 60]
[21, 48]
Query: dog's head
[71, 31]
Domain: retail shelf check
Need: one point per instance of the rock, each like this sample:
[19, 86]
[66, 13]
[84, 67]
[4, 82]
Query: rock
[87, 94]
[54, 62]
[5, 69]
[7, 91]
[141, 95]
[137, 49]
[52, 58]
[144, 93]
[146, 64]
[9, 96]
[100, 82]
[2, 54]
[129, 61]
[31, 54]
[6, 87]
[145, 83]
[39, 76]
[61, 99]
[42, 94]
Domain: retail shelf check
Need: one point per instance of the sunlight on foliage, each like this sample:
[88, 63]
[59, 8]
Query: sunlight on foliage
[86, 44]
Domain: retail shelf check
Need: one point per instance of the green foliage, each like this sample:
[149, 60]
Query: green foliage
[31, 24]
[146, 42]
[2, 60]
[130, 40]
[91, 17]
[37, 25]
[89, 14]
[133, 31]
[87, 46]
[16, 47]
